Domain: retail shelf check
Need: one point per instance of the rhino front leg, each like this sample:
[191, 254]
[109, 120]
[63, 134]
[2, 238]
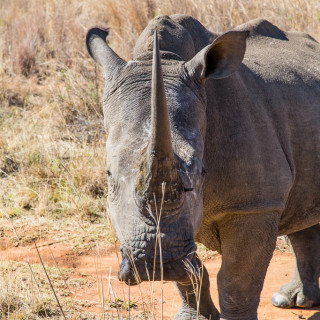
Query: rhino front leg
[303, 289]
[192, 307]
[247, 244]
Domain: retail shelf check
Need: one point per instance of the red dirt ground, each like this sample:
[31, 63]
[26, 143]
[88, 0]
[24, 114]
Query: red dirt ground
[85, 267]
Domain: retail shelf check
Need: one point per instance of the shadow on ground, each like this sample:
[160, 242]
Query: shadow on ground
[316, 316]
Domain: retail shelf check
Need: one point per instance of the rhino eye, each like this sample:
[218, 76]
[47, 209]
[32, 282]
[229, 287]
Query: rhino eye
[203, 172]
[108, 173]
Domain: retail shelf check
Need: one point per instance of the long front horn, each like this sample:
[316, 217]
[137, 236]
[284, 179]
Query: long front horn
[160, 165]
[161, 143]
[160, 156]
[102, 53]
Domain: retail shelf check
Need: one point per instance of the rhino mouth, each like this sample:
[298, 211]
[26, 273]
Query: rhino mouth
[181, 269]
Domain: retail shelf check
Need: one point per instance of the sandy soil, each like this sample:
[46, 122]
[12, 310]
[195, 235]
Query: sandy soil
[87, 266]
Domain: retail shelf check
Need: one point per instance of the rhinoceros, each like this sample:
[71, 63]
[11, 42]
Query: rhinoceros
[214, 139]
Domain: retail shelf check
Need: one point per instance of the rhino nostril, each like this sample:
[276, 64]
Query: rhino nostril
[119, 275]
[124, 269]
[126, 273]
[188, 189]
[124, 251]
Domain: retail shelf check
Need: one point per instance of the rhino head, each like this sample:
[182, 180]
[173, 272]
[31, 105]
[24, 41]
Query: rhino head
[154, 113]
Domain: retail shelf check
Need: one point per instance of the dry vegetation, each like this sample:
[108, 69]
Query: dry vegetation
[52, 142]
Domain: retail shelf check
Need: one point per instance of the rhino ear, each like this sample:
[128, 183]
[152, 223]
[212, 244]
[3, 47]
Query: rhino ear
[221, 58]
[102, 53]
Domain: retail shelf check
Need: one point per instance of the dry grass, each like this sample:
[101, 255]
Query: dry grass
[51, 135]
[52, 142]
[19, 295]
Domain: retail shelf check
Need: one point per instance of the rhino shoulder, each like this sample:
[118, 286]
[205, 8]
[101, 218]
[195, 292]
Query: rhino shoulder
[262, 27]
[301, 36]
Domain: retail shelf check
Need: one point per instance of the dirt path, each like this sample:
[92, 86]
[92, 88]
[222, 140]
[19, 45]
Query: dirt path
[89, 266]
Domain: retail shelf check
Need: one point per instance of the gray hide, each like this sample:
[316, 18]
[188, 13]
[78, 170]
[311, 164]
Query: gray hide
[238, 147]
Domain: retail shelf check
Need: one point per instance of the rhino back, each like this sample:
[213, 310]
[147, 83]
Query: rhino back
[262, 148]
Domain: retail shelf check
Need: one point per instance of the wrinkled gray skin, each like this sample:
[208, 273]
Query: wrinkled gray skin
[250, 125]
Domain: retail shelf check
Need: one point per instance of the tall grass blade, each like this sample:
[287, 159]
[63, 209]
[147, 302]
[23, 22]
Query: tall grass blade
[65, 282]
[38, 288]
[115, 300]
[12, 226]
[129, 299]
[102, 289]
[45, 271]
